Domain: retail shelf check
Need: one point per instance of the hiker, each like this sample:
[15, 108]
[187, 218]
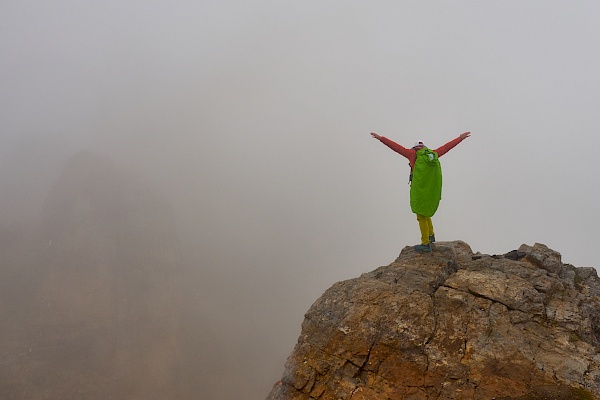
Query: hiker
[425, 182]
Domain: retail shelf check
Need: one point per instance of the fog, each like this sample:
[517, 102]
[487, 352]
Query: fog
[253, 119]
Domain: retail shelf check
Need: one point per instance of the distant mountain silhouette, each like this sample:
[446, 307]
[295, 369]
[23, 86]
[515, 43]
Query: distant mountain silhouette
[91, 294]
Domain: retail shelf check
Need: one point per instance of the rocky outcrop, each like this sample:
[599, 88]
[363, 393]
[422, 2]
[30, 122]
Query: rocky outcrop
[453, 325]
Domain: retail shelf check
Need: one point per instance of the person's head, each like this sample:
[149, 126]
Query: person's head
[419, 145]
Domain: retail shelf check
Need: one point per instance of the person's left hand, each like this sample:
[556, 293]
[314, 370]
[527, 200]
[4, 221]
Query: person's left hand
[465, 135]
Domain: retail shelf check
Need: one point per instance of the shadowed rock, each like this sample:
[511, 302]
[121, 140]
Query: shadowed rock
[453, 325]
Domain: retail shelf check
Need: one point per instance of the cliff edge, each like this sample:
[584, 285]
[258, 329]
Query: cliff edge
[453, 325]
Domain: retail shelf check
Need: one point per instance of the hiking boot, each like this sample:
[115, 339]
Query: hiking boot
[423, 248]
[431, 238]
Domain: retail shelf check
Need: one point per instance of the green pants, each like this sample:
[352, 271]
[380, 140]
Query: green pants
[426, 227]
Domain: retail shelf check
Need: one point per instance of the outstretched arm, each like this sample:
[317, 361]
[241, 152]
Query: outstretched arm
[451, 144]
[395, 146]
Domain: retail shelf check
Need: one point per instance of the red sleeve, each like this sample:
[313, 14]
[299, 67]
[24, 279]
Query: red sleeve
[448, 146]
[408, 153]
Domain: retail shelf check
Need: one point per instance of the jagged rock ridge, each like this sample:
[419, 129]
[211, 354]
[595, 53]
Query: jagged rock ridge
[453, 325]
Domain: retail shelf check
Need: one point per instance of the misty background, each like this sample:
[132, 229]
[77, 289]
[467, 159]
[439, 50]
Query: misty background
[253, 119]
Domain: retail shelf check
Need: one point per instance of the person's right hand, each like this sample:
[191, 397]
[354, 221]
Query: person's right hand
[465, 135]
[376, 136]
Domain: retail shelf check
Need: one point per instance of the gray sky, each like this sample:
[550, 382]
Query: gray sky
[254, 116]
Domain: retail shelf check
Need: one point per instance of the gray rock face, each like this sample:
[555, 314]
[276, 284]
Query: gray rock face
[453, 325]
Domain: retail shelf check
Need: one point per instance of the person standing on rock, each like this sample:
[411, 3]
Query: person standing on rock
[425, 182]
